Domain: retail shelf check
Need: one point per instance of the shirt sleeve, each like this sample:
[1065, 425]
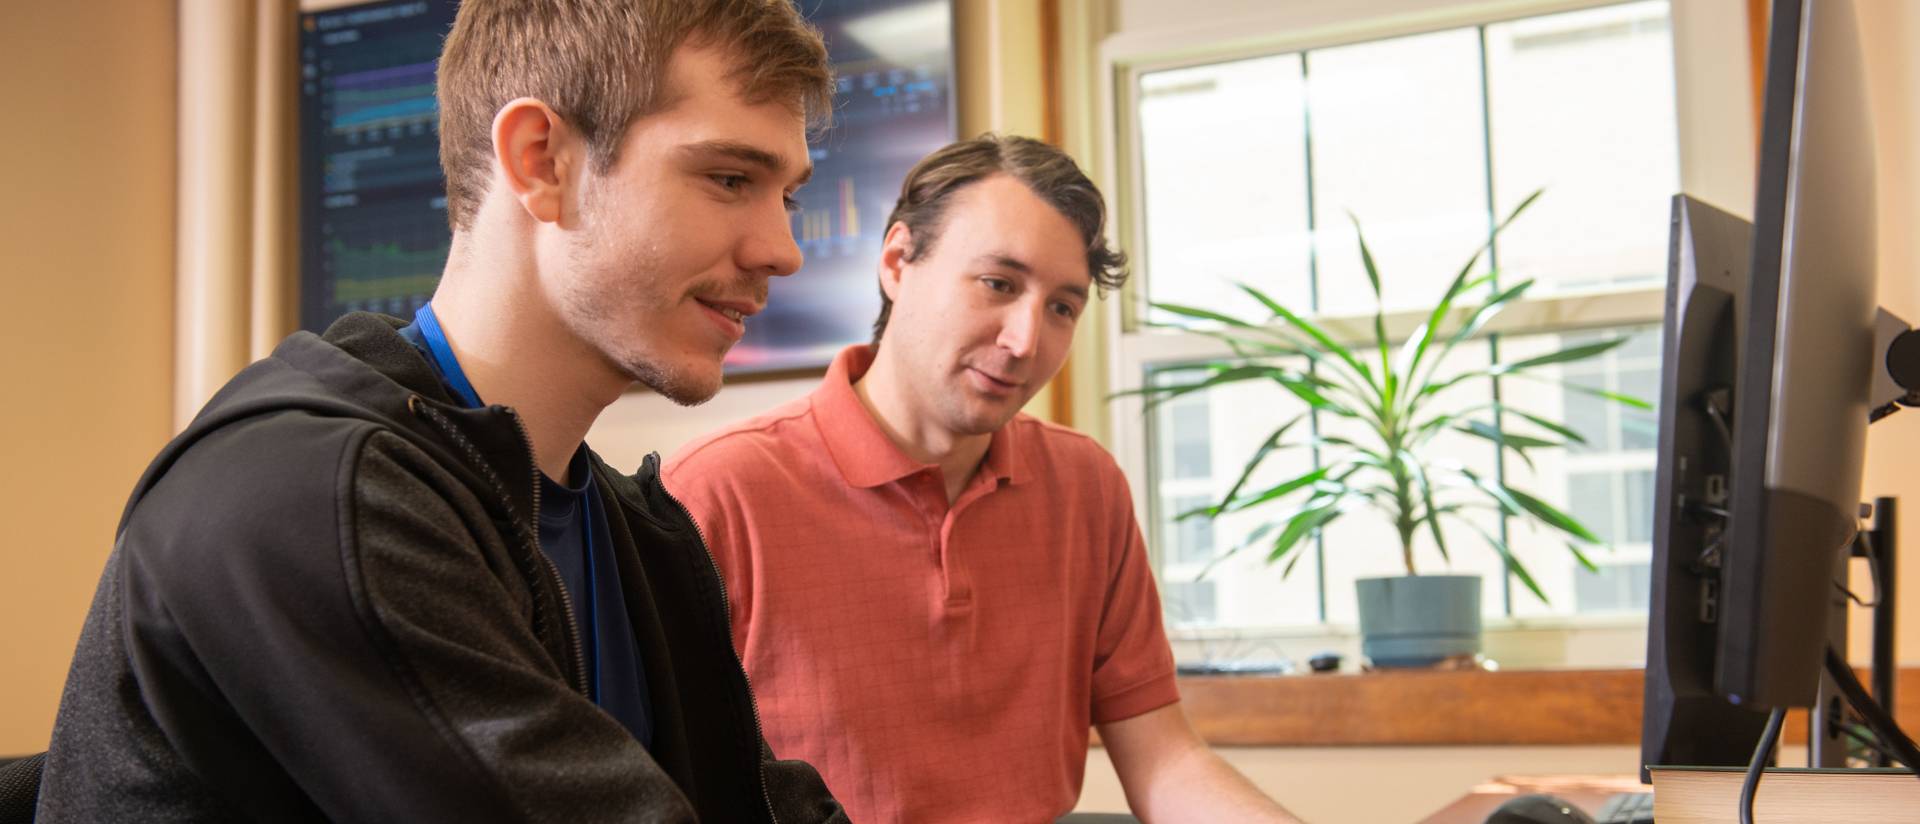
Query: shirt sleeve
[1133, 669]
[693, 478]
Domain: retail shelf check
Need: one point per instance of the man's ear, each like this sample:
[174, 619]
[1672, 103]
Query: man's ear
[534, 154]
[893, 258]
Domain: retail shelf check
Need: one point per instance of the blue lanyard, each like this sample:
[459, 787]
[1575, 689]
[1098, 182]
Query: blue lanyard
[442, 352]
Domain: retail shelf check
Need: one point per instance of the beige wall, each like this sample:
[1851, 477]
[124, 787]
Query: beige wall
[1891, 33]
[86, 248]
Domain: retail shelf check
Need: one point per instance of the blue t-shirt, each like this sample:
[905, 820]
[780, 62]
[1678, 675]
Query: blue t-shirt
[574, 535]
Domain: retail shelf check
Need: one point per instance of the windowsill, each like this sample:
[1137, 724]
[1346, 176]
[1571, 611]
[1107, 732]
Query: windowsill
[1588, 642]
[1594, 707]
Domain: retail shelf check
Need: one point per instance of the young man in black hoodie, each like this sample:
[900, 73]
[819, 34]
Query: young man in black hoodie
[380, 577]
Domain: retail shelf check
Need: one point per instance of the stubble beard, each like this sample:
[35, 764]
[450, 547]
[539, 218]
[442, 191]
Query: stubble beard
[601, 304]
[964, 418]
[676, 386]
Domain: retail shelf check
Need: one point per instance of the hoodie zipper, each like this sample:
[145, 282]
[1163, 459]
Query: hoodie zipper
[726, 612]
[553, 572]
[566, 603]
[528, 532]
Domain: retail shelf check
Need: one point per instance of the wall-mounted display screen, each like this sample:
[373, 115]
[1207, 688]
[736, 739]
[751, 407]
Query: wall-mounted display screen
[893, 62]
[373, 212]
[374, 230]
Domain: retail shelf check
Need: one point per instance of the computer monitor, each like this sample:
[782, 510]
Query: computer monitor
[1768, 345]
[373, 229]
[373, 205]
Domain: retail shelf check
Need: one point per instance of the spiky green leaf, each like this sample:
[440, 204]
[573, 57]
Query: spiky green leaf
[1198, 313]
[1571, 353]
[1279, 490]
[1514, 566]
[1388, 380]
[1272, 305]
[1552, 516]
[1267, 447]
[1582, 557]
[1300, 526]
[1557, 429]
[1328, 344]
[1517, 441]
[1432, 517]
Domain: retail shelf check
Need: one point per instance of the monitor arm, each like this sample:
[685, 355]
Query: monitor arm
[1896, 378]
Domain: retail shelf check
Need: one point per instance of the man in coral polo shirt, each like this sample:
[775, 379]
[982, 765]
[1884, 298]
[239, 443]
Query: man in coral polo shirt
[934, 595]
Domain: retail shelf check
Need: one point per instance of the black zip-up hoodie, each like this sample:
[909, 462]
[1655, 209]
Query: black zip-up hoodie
[327, 602]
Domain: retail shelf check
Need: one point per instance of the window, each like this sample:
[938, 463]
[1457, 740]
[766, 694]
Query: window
[1606, 482]
[1247, 169]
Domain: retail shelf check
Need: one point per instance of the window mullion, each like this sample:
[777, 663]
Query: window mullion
[1493, 340]
[1313, 305]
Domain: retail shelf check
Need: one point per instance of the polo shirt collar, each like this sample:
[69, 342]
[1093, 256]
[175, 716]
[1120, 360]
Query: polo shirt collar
[861, 450]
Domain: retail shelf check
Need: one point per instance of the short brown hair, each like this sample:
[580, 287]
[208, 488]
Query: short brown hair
[1045, 169]
[601, 65]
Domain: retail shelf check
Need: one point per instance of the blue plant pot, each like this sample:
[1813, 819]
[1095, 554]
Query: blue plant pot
[1418, 620]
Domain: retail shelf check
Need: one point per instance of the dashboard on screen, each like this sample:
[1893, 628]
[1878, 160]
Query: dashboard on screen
[373, 228]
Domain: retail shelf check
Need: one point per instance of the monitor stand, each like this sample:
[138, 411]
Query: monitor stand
[1827, 743]
[1896, 384]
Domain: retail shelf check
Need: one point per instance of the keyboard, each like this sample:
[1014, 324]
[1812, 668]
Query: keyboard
[1626, 808]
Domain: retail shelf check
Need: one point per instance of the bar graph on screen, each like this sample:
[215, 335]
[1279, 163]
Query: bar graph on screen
[374, 232]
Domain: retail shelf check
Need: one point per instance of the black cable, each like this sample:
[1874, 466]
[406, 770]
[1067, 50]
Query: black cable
[1872, 551]
[1710, 557]
[1719, 512]
[1870, 711]
[1854, 597]
[1871, 742]
[1761, 755]
[1711, 406]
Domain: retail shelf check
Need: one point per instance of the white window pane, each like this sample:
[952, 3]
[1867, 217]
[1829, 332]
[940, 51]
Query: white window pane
[1637, 506]
[1593, 420]
[1639, 429]
[1224, 183]
[1188, 540]
[1243, 590]
[1365, 543]
[1617, 587]
[1608, 485]
[1190, 603]
[1398, 140]
[1592, 499]
[1582, 106]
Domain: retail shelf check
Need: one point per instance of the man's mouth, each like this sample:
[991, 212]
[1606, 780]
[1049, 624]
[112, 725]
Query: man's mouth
[734, 310]
[730, 316]
[991, 381]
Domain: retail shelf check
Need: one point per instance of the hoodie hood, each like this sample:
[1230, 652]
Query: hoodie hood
[362, 368]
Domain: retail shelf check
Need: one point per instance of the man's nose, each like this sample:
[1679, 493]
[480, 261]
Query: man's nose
[1020, 329]
[769, 248]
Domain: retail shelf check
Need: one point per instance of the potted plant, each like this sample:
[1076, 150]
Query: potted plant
[1399, 402]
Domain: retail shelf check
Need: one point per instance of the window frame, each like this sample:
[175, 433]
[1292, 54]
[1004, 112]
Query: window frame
[1716, 153]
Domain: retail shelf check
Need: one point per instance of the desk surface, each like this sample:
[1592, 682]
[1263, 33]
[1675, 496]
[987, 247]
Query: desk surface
[1587, 792]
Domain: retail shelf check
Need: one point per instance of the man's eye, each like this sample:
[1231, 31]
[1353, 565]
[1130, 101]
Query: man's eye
[1064, 310]
[1000, 285]
[731, 183]
[792, 204]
